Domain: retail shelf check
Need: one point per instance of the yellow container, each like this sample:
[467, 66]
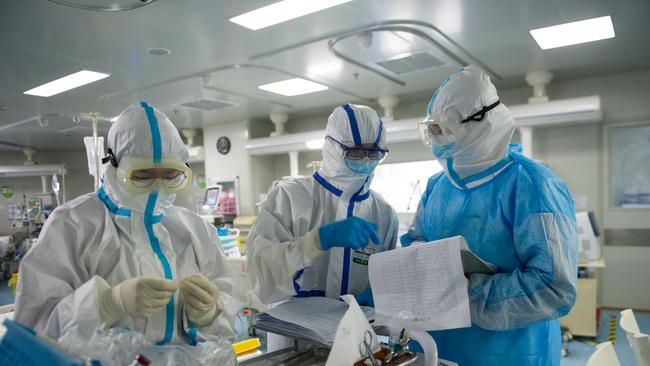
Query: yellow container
[246, 346]
[13, 282]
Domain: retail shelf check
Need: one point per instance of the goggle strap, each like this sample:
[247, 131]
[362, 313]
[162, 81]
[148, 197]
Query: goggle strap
[110, 157]
[478, 116]
[346, 148]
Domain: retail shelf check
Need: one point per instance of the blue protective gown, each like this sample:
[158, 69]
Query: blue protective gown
[523, 222]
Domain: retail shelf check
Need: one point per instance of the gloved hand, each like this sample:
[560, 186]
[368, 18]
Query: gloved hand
[200, 296]
[136, 297]
[353, 233]
[364, 298]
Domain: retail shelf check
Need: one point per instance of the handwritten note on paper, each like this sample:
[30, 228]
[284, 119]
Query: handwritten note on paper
[422, 287]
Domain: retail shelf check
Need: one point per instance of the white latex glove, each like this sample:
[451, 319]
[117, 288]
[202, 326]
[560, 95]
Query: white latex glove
[136, 297]
[200, 296]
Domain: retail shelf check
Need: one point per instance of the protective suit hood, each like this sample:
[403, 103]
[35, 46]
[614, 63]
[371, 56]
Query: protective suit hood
[485, 144]
[142, 131]
[350, 124]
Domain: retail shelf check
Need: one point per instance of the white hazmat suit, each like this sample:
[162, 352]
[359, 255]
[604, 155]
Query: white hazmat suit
[284, 257]
[99, 240]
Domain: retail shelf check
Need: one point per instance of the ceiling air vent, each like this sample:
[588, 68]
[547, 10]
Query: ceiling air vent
[410, 63]
[208, 104]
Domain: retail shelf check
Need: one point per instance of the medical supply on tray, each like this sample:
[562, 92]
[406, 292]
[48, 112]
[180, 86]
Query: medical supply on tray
[381, 357]
[365, 348]
[392, 354]
[229, 239]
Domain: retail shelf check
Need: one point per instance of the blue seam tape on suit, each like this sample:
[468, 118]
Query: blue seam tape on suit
[435, 94]
[345, 278]
[150, 220]
[346, 254]
[155, 246]
[156, 145]
[110, 205]
[491, 170]
[453, 175]
[353, 124]
[337, 192]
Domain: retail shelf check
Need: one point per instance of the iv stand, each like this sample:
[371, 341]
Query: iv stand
[95, 116]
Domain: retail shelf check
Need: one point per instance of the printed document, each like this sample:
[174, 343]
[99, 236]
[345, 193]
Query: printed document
[421, 287]
[310, 318]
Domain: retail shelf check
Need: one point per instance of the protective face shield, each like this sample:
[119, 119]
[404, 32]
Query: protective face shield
[142, 176]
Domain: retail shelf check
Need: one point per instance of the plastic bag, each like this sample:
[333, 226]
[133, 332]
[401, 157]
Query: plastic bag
[91, 154]
[120, 346]
[110, 346]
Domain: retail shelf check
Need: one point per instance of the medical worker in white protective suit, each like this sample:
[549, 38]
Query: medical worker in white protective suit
[314, 235]
[514, 213]
[125, 255]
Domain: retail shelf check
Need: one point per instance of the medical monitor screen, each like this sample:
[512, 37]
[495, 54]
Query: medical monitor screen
[211, 197]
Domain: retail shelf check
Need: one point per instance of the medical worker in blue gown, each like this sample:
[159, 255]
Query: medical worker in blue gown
[513, 212]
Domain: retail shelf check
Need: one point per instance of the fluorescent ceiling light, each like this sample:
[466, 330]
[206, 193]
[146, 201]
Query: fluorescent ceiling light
[66, 83]
[574, 33]
[291, 87]
[315, 144]
[281, 12]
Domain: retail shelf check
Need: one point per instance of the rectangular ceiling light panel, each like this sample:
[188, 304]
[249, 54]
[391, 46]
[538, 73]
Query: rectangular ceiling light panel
[282, 11]
[66, 83]
[574, 33]
[292, 87]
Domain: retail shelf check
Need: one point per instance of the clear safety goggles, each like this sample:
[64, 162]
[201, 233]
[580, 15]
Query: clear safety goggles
[141, 175]
[441, 131]
[357, 153]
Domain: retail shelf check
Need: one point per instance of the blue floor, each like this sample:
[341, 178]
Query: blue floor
[6, 295]
[580, 349]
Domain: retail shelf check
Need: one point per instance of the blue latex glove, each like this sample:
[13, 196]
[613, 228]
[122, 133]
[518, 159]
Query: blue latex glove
[353, 233]
[365, 298]
[405, 241]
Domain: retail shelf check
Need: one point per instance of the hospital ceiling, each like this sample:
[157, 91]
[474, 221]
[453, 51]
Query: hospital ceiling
[222, 63]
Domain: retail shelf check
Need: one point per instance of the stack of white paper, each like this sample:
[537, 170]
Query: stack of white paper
[312, 318]
[421, 287]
